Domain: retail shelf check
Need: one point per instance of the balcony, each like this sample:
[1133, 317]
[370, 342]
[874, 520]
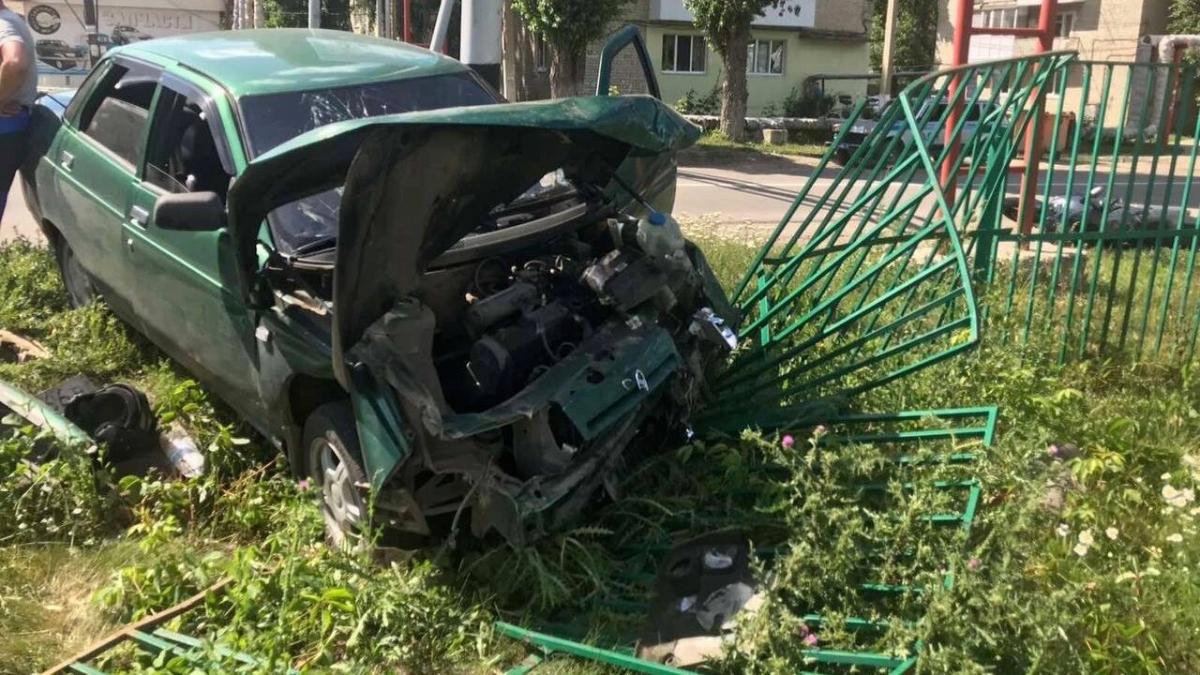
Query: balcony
[674, 10]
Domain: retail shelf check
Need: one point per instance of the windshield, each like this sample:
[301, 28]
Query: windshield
[272, 119]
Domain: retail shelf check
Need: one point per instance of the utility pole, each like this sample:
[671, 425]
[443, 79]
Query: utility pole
[481, 31]
[889, 45]
[314, 13]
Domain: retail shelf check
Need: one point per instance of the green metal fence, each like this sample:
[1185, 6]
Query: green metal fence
[931, 451]
[869, 275]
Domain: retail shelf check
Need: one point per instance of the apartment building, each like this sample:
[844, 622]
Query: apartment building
[1099, 30]
[811, 39]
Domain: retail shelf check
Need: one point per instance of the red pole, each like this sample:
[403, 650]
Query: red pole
[963, 12]
[408, 21]
[1033, 142]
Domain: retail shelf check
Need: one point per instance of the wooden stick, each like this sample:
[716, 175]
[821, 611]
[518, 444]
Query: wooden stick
[126, 632]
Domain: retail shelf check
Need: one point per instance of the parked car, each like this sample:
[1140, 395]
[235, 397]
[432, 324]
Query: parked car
[56, 53]
[82, 51]
[123, 35]
[933, 113]
[480, 309]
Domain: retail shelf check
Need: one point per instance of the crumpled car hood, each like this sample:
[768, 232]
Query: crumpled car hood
[417, 183]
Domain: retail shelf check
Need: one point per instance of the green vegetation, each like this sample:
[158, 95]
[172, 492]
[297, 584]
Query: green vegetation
[716, 146]
[1103, 581]
[916, 35]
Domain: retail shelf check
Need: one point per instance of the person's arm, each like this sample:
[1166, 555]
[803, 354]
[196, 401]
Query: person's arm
[14, 66]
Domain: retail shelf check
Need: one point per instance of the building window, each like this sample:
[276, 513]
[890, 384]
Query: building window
[766, 57]
[1064, 23]
[684, 54]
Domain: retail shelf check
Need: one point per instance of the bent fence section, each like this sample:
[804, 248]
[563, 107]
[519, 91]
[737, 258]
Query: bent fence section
[874, 271]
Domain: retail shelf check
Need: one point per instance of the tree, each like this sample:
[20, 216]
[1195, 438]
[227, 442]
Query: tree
[568, 26]
[726, 25]
[1185, 17]
[916, 38]
[335, 14]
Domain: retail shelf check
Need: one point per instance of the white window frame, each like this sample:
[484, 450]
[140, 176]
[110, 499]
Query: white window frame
[1064, 24]
[752, 60]
[694, 39]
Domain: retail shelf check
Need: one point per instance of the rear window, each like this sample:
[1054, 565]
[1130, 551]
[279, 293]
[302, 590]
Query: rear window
[273, 119]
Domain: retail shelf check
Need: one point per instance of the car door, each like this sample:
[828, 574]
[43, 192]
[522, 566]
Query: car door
[96, 163]
[187, 294]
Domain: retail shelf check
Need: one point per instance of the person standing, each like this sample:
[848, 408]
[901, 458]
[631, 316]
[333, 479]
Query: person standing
[18, 88]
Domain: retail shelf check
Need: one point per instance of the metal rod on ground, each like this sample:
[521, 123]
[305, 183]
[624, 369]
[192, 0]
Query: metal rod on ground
[314, 13]
[441, 29]
[481, 33]
[889, 45]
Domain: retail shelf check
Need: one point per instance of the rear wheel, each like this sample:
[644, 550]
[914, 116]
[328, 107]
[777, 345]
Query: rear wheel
[335, 464]
[76, 279]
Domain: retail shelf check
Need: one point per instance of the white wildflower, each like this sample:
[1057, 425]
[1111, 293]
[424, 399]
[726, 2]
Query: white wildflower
[1085, 538]
[1111, 533]
[1063, 529]
[1175, 538]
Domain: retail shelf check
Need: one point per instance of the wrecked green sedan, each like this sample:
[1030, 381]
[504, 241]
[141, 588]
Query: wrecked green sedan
[478, 309]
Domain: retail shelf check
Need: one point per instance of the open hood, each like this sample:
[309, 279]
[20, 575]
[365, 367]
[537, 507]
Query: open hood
[417, 183]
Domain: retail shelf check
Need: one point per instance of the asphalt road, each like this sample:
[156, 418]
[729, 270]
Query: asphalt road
[17, 222]
[757, 192]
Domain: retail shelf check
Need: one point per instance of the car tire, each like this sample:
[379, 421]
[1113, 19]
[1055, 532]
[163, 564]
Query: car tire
[335, 466]
[80, 289]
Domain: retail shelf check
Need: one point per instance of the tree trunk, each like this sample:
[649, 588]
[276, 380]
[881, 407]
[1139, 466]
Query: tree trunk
[566, 73]
[734, 93]
[260, 13]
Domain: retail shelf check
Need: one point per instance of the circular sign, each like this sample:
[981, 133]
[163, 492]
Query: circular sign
[44, 19]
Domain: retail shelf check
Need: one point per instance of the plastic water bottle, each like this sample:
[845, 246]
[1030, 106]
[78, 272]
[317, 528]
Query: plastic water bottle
[659, 235]
[181, 450]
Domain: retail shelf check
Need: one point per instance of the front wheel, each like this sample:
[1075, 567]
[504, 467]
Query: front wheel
[335, 465]
[76, 279]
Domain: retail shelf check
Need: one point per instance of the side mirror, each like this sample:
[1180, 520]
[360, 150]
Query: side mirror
[190, 212]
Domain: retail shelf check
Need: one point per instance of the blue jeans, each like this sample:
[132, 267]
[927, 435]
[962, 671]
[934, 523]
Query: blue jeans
[14, 136]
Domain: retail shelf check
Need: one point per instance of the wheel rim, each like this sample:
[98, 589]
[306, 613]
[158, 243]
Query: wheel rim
[341, 504]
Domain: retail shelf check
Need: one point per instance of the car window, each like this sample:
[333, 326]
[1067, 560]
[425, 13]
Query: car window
[118, 112]
[183, 156]
[272, 119]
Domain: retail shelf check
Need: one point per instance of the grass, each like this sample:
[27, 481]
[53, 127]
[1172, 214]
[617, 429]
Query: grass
[1024, 597]
[715, 146]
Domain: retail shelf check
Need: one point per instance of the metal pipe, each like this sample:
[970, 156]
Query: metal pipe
[441, 29]
[408, 33]
[889, 44]
[482, 22]
[314, 13]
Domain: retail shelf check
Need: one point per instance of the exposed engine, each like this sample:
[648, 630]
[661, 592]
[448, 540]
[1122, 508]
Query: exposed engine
[525, 315]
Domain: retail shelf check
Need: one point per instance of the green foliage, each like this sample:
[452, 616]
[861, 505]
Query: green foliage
[335, 14]
[693, 103]
[569, 25]
[915, 44]
[807, 104]
[721, 19]
[1185, 17]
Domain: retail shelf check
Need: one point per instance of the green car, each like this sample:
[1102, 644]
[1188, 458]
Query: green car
[479, 310]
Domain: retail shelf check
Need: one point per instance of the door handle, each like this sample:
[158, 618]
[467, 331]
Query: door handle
[67, 160]
[139, 216]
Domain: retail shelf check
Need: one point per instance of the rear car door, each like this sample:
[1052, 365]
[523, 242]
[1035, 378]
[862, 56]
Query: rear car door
[96, 163]
[188, 293]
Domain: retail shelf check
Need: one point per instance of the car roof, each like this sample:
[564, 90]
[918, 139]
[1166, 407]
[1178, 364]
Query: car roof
[273, 60]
